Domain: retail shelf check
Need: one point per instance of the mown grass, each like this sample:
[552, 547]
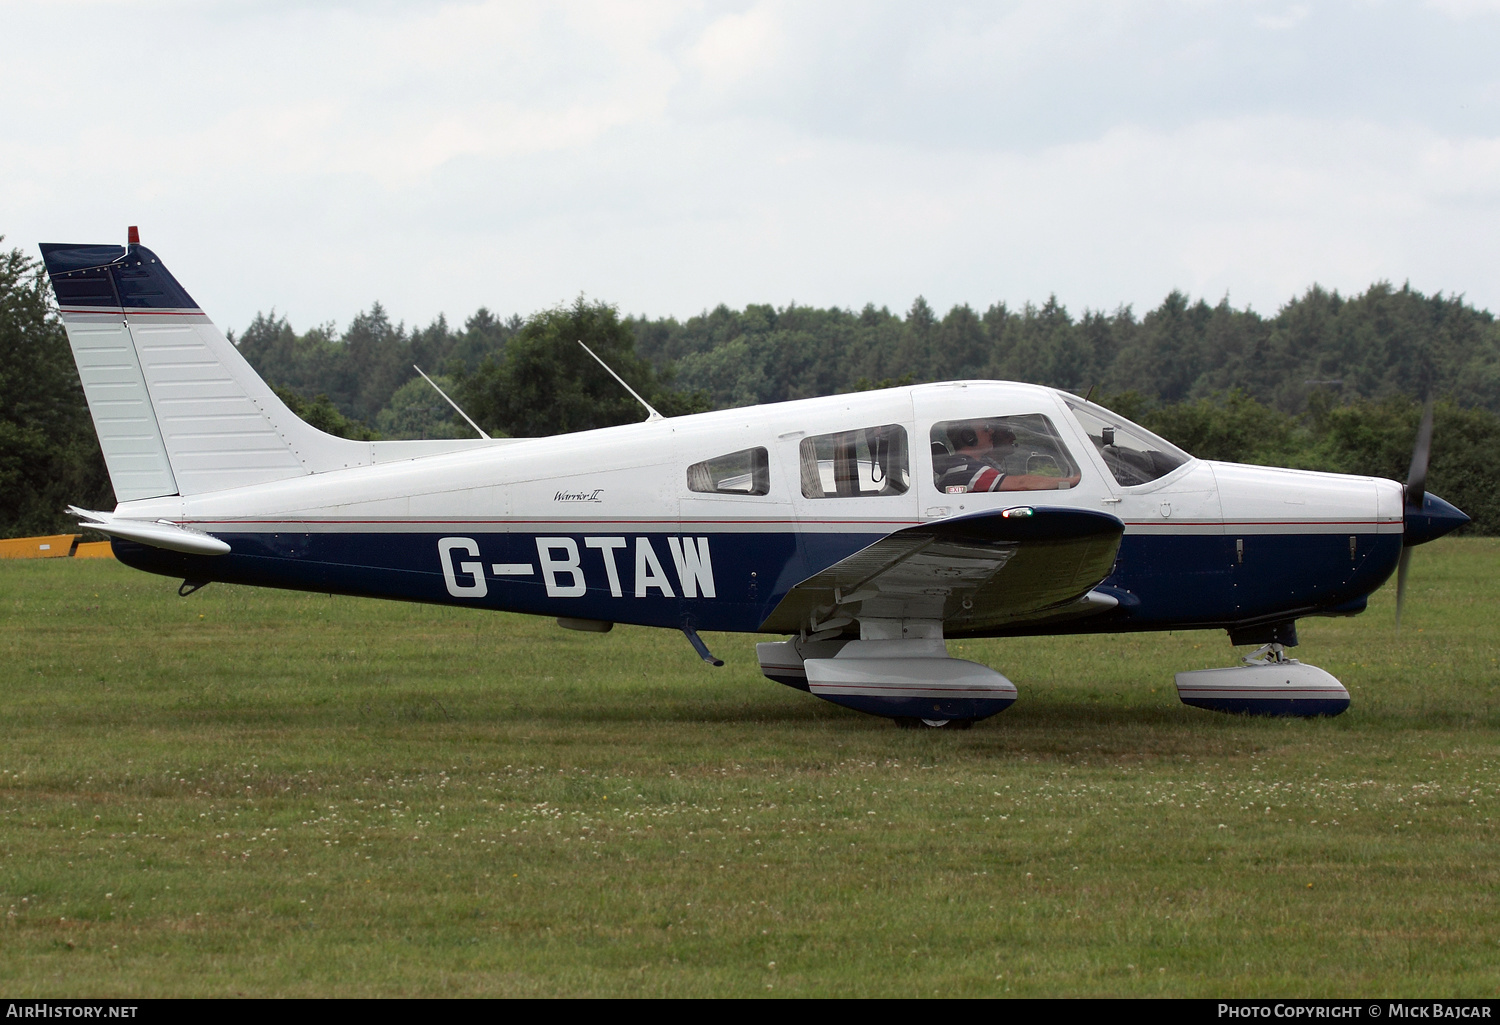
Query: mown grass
[252, 792]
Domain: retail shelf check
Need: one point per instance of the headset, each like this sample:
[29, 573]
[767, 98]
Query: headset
[964, 435]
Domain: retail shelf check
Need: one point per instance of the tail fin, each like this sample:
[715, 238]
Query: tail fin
[177, 409]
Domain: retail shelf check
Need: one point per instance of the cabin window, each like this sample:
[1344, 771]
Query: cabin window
[1000, 453]
[747, 472]
[866, 462]
[1133, 454]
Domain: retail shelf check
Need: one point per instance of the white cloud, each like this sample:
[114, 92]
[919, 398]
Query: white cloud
[1465, 8]
[1288, 18]
[736, 46]
[672, 156]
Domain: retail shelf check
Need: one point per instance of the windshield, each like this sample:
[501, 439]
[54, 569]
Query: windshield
[1133, 454]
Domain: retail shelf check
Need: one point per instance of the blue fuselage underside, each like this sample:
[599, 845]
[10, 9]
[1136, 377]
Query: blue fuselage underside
[1162, 581]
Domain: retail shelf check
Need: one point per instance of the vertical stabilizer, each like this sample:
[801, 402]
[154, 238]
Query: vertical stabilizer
[176, 407]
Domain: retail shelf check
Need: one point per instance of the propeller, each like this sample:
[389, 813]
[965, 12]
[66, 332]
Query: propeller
[1416, 491]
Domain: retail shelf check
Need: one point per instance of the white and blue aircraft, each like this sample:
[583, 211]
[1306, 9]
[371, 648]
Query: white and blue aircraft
[865, 529]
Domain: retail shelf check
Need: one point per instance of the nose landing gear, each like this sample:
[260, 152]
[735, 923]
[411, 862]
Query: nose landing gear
[1267, 683]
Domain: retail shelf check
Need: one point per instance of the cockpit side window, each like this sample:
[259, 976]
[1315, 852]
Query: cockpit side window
[1000, 453]
[1133, 454]
[866, 462]
[747, 472]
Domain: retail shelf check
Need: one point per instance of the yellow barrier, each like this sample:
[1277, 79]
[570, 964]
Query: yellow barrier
[58, 546]
[94, 550]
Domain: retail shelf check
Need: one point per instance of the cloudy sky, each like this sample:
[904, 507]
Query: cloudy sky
[667, 157]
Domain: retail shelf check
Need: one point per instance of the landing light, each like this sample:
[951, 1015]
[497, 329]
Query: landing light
[1018, 512]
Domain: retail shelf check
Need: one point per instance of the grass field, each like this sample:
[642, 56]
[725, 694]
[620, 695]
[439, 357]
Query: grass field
[254, 792]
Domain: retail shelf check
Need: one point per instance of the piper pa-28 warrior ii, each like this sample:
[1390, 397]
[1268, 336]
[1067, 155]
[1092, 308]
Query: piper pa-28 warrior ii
[866, 529]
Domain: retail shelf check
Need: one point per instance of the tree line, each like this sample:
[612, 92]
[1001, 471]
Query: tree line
[1384, 343]
[1327, 382]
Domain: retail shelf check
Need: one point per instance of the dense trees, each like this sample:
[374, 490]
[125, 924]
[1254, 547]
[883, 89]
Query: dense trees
[49, 456]
[1383, 343]
[325, 416]
[361, 369]
[1327, 382]
[544, 383]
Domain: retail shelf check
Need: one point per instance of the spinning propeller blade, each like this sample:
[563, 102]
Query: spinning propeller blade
[1416, 491]
[1401, 583]
[1416, 476]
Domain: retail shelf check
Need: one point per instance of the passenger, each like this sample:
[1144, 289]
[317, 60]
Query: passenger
[980, 448]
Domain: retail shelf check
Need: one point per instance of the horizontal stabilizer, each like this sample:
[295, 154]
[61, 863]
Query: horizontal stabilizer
[156, 533]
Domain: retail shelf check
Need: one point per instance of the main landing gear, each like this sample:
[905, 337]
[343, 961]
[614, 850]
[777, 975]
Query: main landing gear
[899, 669]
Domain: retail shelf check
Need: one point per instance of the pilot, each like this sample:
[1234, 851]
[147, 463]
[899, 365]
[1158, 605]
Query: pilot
[980, 449]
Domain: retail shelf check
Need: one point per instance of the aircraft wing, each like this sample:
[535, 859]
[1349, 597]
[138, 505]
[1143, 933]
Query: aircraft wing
[974, 573]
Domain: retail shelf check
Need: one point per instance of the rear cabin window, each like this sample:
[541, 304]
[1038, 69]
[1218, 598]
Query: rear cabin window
[1000, 453]
[747, 472]
[867, 462]
[1133, 454]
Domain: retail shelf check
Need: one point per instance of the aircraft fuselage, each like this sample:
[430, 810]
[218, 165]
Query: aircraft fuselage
[604, 526]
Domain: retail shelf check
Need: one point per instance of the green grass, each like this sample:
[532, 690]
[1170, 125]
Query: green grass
[271, 793]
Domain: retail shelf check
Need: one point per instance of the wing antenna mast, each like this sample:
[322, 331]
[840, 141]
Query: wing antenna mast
[649, 408]
[450, 402]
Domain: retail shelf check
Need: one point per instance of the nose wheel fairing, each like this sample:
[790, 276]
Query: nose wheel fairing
[1286, 689]
[1269, 684]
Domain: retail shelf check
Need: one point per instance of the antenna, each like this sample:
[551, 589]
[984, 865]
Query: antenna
[654, 414]
[450, 402]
